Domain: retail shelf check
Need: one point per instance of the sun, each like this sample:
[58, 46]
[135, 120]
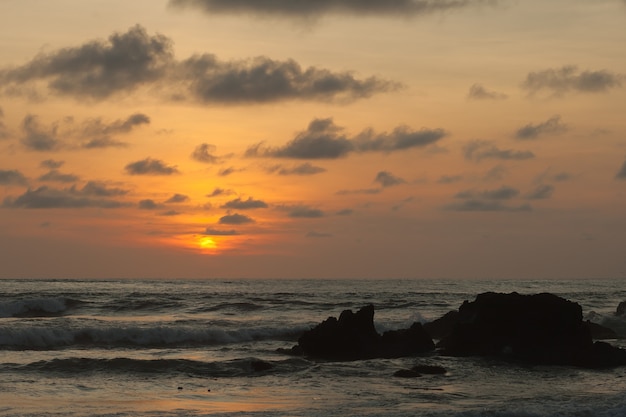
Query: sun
[207, 243]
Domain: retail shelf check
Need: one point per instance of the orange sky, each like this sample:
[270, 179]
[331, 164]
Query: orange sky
[224, 139]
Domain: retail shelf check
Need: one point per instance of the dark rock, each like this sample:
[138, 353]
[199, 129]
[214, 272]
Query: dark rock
[443, 326]
[621, 309]
[353, 336]
[407, 373]
[259, 365]
[429, 369]
[600, 332]
[538, 329]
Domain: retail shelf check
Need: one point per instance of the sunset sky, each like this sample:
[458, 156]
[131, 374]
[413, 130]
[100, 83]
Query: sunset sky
[313, 139]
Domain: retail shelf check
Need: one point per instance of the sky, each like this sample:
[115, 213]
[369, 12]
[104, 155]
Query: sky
[440, 139]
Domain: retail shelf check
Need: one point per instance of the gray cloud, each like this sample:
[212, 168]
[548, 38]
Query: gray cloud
[303, 212]
[318, 8]
[205, 153]
[314, 234]
[12, 177]
[563, 80]
[45, 197]
[56, 176]
[100, 133]
[149, 204]
[621, 174]
[38, 138]
[323, 139]
[127, 61]
[217, 232]
[220, 191]
[483, 205]
[98, 69]
[360, 191]
[4, 132]
[345, 212]
[302, 169]
[101, 189]
[449, 179]
[150, 166]
[51, 164]
[541, 192]
[532, 131]
[228, 171]
[170, 213]
[502, 193]
[177, 198]
[478, 150]
[235, 219]
[479, 92]
[387, 179]
[248, 204]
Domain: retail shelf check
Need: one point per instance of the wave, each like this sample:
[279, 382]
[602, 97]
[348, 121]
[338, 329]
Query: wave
[230, 368]
[44, 338]
[37, 307]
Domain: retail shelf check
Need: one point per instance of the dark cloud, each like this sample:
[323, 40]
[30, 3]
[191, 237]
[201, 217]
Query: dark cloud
[387, 179]
[563, 80]
[150, 166]
[228, 171]
[45, 197]
[127, 61]
[621, 174]
[220, 191]
[149, 204]
[12, 177]
[51, 164]
[235, 219]
[38, 138]
[449, 179]
[170, 213]
[177, 198]
[323, 139]
[502, 193]
[532, 131]
[302, 169]
[478, 150]
[479, 92]
[4, 132]
[217, 232]
[318, 8]
[314, 234]
[101, 189]
[486, 205]
[248, 204]
[205, 79]
[56, 176]
[303, 212]
[345, 212]
[496, 173]
[205, 153]
[360, 191]
[98, 69]
[99, 133]
[541, 192]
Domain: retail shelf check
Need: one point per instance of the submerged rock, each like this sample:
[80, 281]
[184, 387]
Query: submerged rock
[539, 329]
[353, 336]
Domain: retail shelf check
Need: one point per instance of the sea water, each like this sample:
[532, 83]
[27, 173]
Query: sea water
[188, 348]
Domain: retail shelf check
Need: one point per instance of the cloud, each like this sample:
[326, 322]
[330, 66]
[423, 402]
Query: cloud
[45, 197]
[386, 179]
[479, 92]
[38, 138]
[563, 80]
[541, 192]
[170, 213]
[323, 139]
[302, 169]
[101, 189]
[478, 150]
[99, 69]
[56, 176]
[177, 198]
[204, 153]
[235, 219]
[345, 212]
[228, 171]
[551, 126]
[4, 132]
[449, 179]
[482, 205]
[100, 132]
[12, 177]
[621, 174]
[220, 191]
[318, 8]
[217, 232]
[150, 166]
[149, 204]
[360, 191]
[502, 193]
[248, 204]
[51, 164]
[303, 212]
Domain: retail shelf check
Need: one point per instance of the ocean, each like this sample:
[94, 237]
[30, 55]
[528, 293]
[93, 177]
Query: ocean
[189, 348]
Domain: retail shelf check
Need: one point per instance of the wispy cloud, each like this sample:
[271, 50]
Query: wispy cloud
[478, 150]
[248, 204]
[559, 81]
[150, 166]
[552, 126]
[12, 177]
[46, 197]
[479, 92]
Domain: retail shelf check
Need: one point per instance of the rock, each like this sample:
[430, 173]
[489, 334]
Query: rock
[353, 336]
[621, 309]
[537, 329]
[430, 369]
[407, 373]
[600, 332]
[443, 326]
[259, 365]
